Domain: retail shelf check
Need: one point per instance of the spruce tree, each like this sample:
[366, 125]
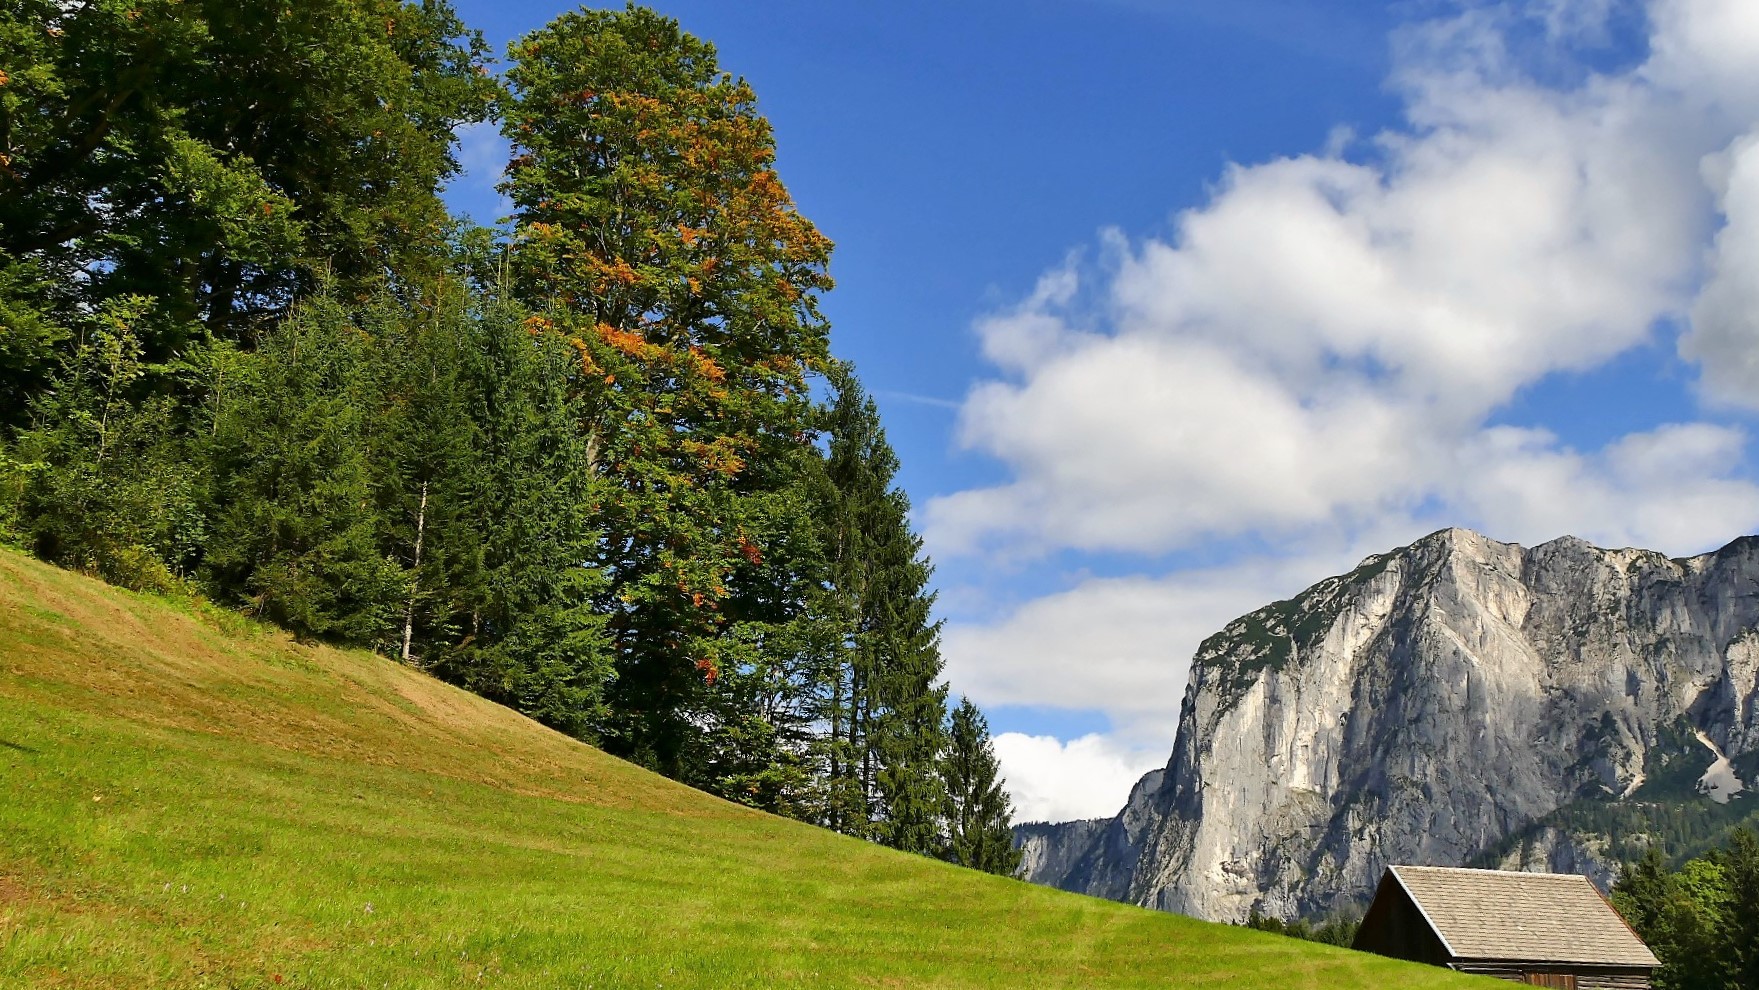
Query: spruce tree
[1642, 891]
[528, 628]
[979, 815]
[299, 461]
[583, 473]
[887, 706]
[765, 717]
[431, 481]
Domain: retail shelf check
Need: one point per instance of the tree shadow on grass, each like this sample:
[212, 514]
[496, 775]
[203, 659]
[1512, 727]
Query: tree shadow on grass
[16, 747]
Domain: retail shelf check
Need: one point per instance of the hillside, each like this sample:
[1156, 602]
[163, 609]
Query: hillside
[191, 800]
[1456, 702]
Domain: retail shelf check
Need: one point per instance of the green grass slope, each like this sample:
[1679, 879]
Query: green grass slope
[190, 801]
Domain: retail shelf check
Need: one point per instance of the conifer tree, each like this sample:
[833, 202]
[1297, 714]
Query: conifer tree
[525, 631]
[299, 460]
[782, 644]
[979, 815]
[1741, 916]
[887, 707]
[243, 349]
[1700, 920]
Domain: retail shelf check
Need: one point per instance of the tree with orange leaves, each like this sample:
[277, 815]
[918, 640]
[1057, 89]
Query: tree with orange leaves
[652, 229]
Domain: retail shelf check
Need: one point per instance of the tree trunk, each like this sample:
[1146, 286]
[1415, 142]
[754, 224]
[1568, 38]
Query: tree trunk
[421, 518]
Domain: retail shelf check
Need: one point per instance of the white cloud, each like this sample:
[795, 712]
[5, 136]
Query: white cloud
[1324, 340]
[1140, 443]
[1669, 488]
[1315, 360]
[1708, 49]
[1725, 321]
[1123, 646]
[1576, 20]
[482, 161]
[1053, 781]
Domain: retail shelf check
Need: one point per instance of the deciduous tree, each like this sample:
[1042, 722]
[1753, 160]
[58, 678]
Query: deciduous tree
[653, 231]
[213, 154]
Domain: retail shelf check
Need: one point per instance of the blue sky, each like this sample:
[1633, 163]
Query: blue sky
[1175, 306]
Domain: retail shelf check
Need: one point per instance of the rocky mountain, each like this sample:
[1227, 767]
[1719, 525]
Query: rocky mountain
[1455, 702]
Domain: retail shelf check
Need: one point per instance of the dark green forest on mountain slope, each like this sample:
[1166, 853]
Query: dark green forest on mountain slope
[598, 465]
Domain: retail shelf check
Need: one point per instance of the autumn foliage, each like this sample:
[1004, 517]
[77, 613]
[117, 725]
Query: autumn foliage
[653, 229]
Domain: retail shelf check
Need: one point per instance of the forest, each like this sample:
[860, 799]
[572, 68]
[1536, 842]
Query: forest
[597, 464]
[1701, 920]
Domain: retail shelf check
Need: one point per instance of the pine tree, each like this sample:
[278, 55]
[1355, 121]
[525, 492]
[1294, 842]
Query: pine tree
[887, 707]
[1697, 921]
[1642, 891]
[765, 715]
[528, 630]
[979, 815]
[430, 476]
[580, 473]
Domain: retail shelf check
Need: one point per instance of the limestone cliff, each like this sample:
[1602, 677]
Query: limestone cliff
[1455, 702]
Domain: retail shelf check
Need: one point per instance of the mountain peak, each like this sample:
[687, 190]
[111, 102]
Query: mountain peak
[1444, 703]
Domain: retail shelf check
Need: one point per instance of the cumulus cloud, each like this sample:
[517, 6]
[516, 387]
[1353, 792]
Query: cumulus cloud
[1054, 781]
[1323, 341]
[1707, 49]
[1725, 320]
[1671, 488]
[1316, 357]
[1123, 647]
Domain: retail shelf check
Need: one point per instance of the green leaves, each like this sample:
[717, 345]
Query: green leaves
[301, 460]
[652, 234]
[102, 477]
[582, 473]
[416, 479]
[895, 706]
[250, 221]
[1702, 921]
[160, 146]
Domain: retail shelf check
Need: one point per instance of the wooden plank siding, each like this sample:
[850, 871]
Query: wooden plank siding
[1394, 926]
[1566, 979]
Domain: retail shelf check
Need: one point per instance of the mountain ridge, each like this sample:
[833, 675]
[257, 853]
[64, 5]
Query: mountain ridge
[1455, 701]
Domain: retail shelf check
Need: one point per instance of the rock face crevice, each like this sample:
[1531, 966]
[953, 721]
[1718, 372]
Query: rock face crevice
[1430, 707]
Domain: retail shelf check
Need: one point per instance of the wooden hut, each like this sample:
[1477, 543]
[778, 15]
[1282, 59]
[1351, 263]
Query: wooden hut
[1541, 929]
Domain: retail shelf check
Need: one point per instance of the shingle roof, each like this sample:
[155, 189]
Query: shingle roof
[1528, 917]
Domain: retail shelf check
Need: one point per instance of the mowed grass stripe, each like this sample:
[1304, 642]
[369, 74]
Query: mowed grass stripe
[189, 800]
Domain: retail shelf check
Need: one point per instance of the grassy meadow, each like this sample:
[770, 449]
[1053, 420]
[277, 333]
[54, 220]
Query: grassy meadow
[190, 800]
